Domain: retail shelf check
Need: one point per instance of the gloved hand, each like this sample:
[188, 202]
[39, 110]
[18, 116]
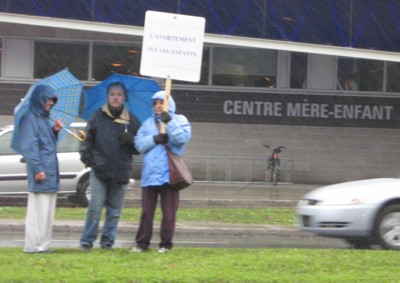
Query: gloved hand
[160, 138]
[126, 138]
[165, 117]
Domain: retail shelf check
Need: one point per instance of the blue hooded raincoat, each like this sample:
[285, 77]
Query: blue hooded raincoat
[155, 170]
[39, 142]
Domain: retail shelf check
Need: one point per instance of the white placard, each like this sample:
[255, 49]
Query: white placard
[172, 46]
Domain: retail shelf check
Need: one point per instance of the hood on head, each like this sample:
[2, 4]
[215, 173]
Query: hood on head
[40, 95]
[160, 95]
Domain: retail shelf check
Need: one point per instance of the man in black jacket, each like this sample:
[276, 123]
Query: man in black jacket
[108, 150]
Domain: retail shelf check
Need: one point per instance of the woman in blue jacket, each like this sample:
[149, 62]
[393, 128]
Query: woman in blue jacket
[39, 149]
[155, 173]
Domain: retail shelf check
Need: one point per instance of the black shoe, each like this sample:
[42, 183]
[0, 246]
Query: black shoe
[106, 245]
[86, 247]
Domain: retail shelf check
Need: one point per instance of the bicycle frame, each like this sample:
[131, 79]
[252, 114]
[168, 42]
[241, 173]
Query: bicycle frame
[273, 164]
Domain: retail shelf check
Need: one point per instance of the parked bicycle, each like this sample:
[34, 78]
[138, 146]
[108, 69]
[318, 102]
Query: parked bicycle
[273, 164]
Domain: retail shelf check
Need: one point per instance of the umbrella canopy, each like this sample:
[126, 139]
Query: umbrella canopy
[139, 92]
[68, 90]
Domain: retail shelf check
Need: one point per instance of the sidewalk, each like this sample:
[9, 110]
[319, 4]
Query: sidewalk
[209, 195]
[202, 194]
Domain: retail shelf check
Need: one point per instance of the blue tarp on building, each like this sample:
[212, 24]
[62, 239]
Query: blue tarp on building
[368, 24]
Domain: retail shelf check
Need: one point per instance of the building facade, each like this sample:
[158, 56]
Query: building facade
[337, 116]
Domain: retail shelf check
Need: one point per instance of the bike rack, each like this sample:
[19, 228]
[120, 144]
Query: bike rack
[236, 169]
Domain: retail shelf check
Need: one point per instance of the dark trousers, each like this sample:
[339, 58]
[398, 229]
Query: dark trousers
[169, 207]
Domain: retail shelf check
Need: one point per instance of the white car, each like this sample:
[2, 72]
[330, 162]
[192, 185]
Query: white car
[363, 213]
[74, 177]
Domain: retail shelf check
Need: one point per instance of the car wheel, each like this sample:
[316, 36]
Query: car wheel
[83, 192]
[387, 227]
[359, 243]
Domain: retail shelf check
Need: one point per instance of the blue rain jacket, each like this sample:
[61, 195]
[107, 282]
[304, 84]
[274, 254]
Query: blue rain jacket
[155, 171]
[39, 143]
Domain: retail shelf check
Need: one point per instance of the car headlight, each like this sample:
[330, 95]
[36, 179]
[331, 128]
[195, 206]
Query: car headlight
[333, 201]
[344, 201]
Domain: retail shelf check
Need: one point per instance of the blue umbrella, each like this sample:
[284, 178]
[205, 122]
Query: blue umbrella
[140, 91]
[68, 90]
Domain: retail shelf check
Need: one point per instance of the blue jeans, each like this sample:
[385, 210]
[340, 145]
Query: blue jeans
[110, 196]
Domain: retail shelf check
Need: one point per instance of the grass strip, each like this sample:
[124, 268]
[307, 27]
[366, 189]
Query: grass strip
[201, 265]
[265, 216]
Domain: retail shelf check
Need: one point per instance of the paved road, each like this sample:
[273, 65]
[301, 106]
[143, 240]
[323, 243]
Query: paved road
[201, 234]
[125, 240]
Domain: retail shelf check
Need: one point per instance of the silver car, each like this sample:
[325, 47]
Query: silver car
[74, 177]
[363, 213]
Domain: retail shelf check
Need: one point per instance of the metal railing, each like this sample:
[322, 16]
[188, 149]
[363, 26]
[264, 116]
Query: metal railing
[235, 169]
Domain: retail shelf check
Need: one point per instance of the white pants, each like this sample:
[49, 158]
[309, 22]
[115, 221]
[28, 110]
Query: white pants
[39, 221]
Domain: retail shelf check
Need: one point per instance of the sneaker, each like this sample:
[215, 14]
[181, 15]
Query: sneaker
[40, 252]
[137, 250]
[163, 250]
[48, 251]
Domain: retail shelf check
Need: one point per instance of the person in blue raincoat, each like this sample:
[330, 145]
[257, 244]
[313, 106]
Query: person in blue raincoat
[39, 149]
[155, 172]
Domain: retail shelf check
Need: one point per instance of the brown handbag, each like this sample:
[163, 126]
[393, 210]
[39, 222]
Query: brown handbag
[179, 175]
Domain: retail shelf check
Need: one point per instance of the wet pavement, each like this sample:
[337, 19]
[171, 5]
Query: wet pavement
[71, 240]
[66, 233]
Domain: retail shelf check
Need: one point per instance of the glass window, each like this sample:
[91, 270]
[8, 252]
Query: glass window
[359, 74]
[244, 67]
[52, 57]
[1, 53]
[68, 143]
[109, 59]
[5, 144]
[393, 77]
[298, 70]
[203, 72]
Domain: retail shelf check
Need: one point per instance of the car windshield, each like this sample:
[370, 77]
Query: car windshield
[68, 142]
[5, 143]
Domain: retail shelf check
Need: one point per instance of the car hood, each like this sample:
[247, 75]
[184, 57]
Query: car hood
[370, 190]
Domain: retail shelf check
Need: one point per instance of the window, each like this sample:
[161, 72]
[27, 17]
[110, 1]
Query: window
[393, 77]
[109, 59]
[52, 57]
[298, 70]
[244, 67]
[5, 144]
[359, 74]
[1, 54]
[68, 143]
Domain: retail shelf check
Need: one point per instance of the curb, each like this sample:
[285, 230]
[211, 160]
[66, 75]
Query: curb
[135, 202]
[182, 229]
[212, 203]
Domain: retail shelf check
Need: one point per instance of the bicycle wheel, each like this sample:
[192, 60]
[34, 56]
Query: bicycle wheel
[270, 172]
[275, 177]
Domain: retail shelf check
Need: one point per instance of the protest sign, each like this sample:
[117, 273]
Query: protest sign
[172, 46]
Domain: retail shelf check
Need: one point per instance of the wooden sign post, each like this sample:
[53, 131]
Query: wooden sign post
[172, 49]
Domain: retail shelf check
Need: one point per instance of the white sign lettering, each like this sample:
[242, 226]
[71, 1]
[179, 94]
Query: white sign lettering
[259, 108]
[308, 110]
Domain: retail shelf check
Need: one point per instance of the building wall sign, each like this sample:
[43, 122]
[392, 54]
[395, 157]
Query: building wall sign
[289, 109]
